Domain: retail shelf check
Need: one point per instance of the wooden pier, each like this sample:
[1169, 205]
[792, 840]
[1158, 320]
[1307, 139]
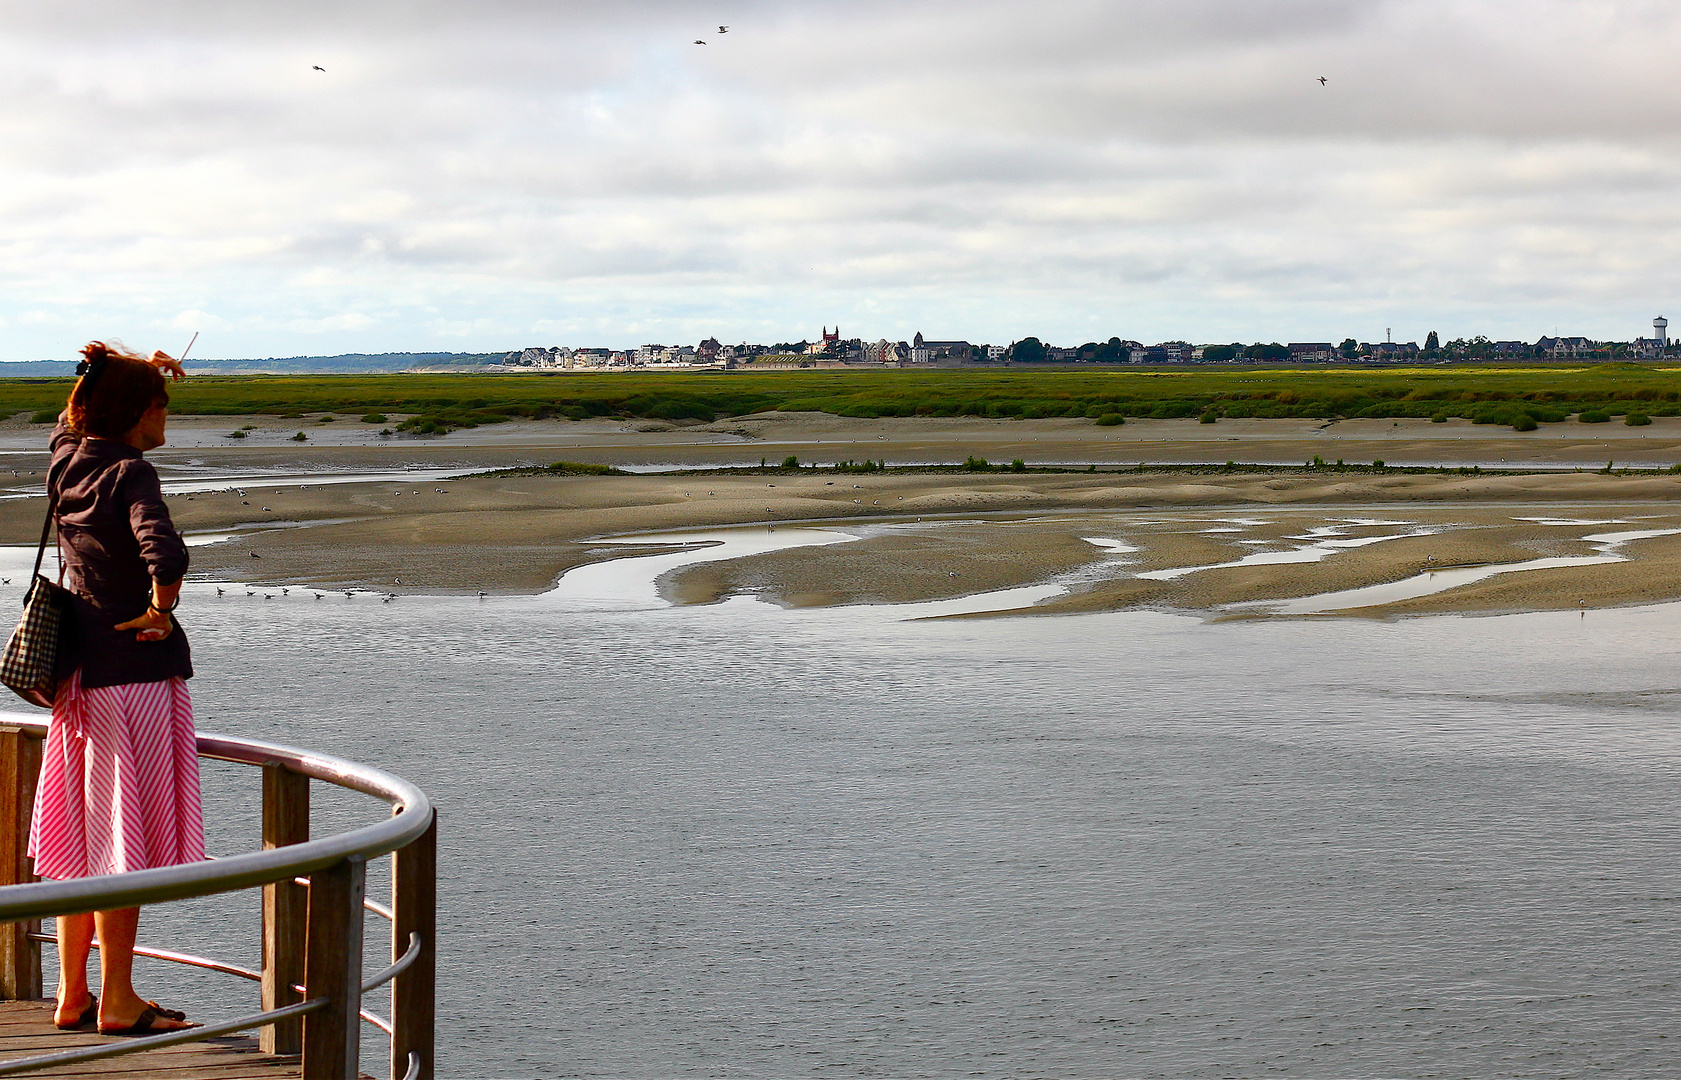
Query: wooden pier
[26, 1028]
[314, 902]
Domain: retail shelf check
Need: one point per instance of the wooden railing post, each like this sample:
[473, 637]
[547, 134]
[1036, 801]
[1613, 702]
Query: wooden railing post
[285, 907]
[333, 969]
[20, 768]
[414, 903]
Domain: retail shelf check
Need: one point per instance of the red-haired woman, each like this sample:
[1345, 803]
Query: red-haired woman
[119, 775]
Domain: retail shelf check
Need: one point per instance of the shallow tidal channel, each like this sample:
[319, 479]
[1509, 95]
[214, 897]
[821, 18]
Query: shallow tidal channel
[747, 841]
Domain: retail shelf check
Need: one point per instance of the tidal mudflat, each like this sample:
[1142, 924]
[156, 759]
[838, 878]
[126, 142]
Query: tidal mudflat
[355, 511]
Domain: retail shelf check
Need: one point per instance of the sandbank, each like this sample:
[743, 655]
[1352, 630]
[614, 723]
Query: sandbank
[927, 535]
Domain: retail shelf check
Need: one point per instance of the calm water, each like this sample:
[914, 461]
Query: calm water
[739, 841]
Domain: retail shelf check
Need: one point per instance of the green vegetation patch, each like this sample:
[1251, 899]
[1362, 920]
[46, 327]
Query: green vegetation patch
[559, 468]
[440, 403]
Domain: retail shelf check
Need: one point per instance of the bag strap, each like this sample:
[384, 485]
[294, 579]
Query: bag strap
[46, 527]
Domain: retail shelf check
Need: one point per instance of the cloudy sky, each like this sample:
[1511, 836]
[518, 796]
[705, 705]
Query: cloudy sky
[502, 173]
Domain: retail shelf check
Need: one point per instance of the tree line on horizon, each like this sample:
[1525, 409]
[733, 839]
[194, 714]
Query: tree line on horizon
[1030, 350]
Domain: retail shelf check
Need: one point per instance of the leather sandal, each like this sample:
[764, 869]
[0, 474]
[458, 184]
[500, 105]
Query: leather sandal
[89, 1015]
[148, 1016]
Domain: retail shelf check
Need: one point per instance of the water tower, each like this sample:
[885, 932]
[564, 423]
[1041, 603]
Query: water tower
[1660, 331]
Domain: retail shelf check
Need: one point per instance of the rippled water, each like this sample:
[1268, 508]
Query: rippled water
[742, 841]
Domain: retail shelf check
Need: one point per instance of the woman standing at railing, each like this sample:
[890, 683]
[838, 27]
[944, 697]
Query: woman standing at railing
[119, 776]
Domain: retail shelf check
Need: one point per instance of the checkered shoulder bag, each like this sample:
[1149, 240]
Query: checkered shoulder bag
[29, 665]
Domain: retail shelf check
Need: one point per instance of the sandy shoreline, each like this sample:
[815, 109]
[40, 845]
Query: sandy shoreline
[977, 532]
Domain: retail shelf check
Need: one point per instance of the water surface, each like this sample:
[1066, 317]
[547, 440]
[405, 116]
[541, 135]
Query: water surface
[742, 841]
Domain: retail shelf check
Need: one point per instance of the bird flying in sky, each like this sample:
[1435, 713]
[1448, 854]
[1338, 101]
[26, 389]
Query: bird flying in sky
[318, 67]
[700, 41]
[723, 29]
[1322, 80]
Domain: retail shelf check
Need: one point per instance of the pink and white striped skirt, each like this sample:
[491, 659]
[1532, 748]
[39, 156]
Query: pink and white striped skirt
[119, 781]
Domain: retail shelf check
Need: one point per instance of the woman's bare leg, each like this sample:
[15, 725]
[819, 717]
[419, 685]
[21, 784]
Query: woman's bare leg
[119, 1005]
[75, 937]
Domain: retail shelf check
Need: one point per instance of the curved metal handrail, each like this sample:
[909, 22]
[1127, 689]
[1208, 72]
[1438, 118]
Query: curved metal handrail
[411, 818]
[190, 960]
[400, 965]
[170, 955]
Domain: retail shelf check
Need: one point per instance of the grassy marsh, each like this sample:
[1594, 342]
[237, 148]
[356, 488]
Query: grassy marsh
[1515, 396]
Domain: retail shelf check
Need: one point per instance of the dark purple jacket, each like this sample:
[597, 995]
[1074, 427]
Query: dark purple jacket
[115, 537]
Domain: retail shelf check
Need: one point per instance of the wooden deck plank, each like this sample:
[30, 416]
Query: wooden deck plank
[26, 1029]
[138, 1067]
[39, 1041]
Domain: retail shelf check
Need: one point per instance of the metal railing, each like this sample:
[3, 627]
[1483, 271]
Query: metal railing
[313, 904]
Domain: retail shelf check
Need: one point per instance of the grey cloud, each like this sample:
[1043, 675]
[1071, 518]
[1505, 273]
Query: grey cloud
[472, 166]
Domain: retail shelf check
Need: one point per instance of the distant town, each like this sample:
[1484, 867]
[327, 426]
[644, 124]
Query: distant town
[830, 349]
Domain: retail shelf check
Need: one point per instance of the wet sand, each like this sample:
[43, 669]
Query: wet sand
[926, 535]
[818, 437]
[933, 560]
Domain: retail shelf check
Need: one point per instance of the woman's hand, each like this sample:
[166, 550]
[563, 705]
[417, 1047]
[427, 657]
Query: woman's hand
[153, 625]
[165, 362]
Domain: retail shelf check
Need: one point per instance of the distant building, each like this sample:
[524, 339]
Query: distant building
[829, 343]
[929, 352]
[1653, 347]
[1312, 350]
[545, 358]
[672, 355]
[1510, 348]
[885, 352]
[1390, 350]
[1566, 348]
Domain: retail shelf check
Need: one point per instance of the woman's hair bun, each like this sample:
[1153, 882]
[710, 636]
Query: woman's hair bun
[113, 390]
